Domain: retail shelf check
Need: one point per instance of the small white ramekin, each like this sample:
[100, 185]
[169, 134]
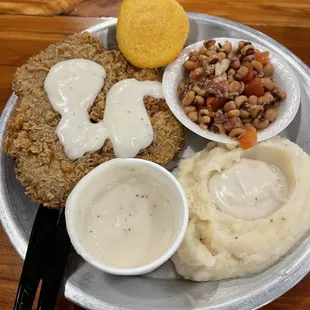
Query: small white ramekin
[81, 197]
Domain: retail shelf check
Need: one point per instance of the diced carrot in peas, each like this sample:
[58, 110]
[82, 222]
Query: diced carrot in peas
[215, 103]
[248, 138]
[263, 58]
[249, 77]
[255, 87]
[210, 101]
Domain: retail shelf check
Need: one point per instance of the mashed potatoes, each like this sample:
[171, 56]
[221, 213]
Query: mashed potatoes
[247, 208]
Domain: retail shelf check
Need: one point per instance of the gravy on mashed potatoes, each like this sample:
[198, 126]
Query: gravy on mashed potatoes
[247, 208]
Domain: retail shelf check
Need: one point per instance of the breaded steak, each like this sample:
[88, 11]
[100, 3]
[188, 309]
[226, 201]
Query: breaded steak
[41, 164]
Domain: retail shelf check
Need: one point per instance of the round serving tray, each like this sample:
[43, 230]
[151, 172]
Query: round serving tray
[163, 288]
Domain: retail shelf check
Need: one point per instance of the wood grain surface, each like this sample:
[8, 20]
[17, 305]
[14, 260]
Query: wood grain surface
[35, 7]
[287, 21]
[291, 13]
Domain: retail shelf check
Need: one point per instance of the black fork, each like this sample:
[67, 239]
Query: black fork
[46, 258]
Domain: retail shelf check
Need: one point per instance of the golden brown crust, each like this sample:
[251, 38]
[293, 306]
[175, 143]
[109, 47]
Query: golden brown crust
[41, 164]
[150, 33]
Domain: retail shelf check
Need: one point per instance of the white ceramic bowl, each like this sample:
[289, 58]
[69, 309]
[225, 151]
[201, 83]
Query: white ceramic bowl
[283, 76]
[102, 176]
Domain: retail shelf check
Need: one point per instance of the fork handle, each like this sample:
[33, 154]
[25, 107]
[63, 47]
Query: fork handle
[43, 231]
[56, 263]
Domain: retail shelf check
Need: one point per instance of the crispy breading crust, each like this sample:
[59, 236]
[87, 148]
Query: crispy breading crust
[41, 164]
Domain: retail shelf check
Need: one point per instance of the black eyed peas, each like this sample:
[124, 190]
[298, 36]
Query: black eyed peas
[190, 65]
[204, 112]
[244, 113]
[201, 58]
[256, 65]
[247, 50]
[241, 44]
[246, 121]
[252, 100]
[271, 115]
[234, 86]
[209, 43]
[268, 69]
[205, 119]
[193, 53]
[199, 100]
[240, 100]
[230, 105]
[227, 47]
[188, 98]
[210, 53]
[236, 132]
[247, 125]
[268, 83]
[248, 58]
[260, 124]
[233, 113]
[193, 116]
[231, 72]
[218, 128]
[242, 73]
[227, 89]
[235, 63]
[180, 89]
[265, 100]
[256, 111]
[189, 108]
[203, 51]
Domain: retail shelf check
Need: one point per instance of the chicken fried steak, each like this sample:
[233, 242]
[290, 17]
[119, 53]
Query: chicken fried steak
[41, 164]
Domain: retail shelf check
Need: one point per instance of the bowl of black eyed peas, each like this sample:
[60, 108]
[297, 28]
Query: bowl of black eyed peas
[224, 89]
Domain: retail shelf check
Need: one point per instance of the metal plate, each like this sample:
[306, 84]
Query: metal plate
[164, 289]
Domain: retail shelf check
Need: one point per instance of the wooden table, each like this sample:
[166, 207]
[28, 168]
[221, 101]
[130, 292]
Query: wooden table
[287, 21]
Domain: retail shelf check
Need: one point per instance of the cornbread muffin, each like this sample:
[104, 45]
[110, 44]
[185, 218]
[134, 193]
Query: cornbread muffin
[41, 163]
[151, 33]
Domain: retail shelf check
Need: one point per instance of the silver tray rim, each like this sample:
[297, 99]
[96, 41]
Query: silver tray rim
[261, 296]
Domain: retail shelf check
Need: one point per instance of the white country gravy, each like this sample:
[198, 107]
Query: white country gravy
[125, 116]
[128, 223]
[72, 87]
[249, 189]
